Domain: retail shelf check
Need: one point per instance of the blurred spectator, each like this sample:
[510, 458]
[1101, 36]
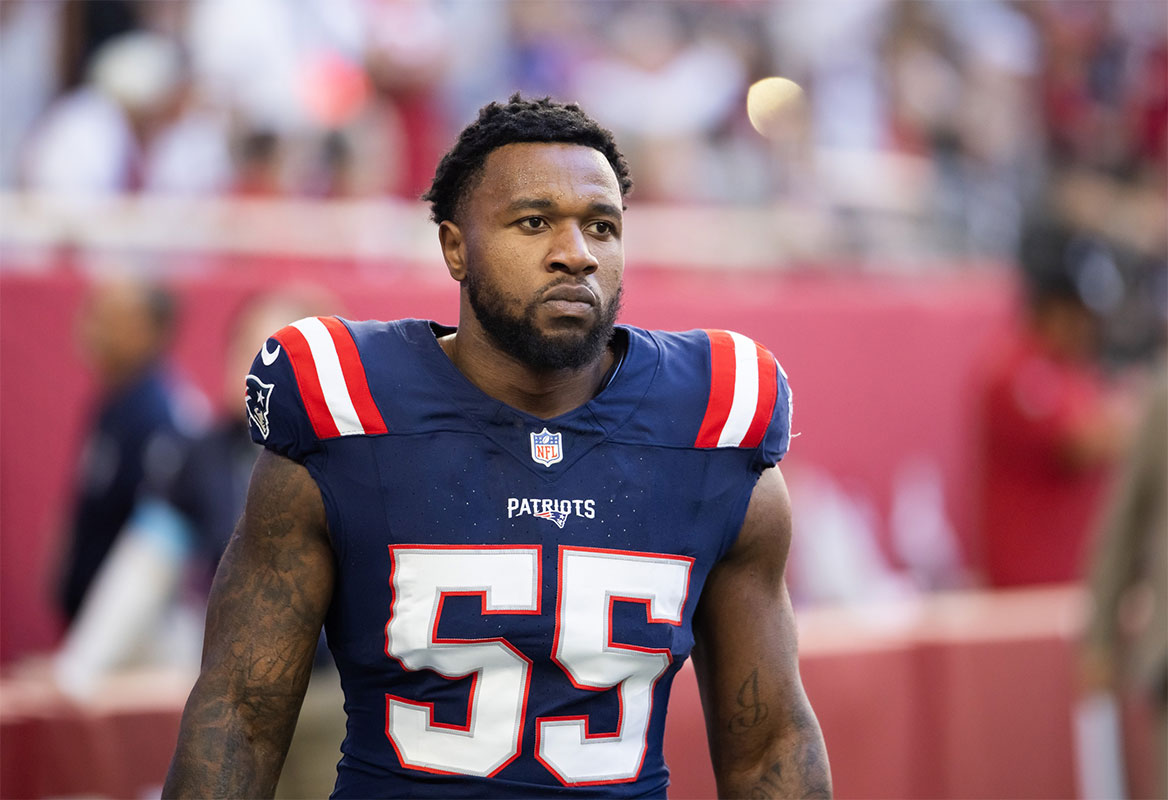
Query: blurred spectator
[149, 597]
[406, 59]
[375, 138]
[130, 127]
[86, 26]
[259, 164]
[259, 58]
[1125, 277]
[338, 82]
[995, 172]
[1105, 89]
[180, 516]
[29, 73]
[137, 430]
[336, 172]
[546, 47]
[1050, 427]
[1148, 113]
[833, 50]
[1131, 649]
[665, 92]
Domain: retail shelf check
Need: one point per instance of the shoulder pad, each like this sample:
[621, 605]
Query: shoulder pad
[308, 384]
[749, 402]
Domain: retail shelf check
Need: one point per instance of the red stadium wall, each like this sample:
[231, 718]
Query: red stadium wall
[880, 369]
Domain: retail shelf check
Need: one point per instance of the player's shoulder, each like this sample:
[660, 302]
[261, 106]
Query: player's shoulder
[717, 389]
[311, 380]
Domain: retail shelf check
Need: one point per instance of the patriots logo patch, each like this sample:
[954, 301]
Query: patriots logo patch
[558, 510]
[558, 517]
[257, 399]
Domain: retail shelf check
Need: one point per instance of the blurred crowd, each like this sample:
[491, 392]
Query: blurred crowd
[959, 112]
[926, 130]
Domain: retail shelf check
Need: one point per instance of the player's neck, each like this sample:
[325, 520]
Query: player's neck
[543, 394]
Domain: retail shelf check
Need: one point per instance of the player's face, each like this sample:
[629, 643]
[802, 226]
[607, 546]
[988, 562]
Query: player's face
[543, 252]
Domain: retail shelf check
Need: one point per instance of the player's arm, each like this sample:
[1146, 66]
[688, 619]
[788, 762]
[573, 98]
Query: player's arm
[267, 604]
[764, 739]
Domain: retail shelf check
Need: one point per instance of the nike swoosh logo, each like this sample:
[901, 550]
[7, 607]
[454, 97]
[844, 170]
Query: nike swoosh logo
[269, 357]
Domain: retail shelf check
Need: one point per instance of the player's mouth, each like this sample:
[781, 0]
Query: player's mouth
[570, 300]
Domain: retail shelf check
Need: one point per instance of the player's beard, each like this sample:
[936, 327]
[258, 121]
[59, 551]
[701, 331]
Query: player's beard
[518, 335]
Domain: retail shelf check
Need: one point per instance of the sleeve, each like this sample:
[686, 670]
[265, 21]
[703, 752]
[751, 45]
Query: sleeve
[276, 414]
[777, 439]
[308, 384]
[749, 404]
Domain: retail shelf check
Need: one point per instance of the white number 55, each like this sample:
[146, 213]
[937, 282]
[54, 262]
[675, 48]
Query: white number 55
[507, 581]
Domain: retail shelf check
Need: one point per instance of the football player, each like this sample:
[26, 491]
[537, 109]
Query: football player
[514, 531]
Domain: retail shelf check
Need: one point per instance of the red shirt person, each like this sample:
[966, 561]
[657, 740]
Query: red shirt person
[1050, 431]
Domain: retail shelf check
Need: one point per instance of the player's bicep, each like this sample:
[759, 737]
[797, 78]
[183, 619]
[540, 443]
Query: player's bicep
[273, 585]
[746, 657]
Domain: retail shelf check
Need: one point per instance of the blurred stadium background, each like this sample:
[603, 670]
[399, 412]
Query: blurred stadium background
[872, 239]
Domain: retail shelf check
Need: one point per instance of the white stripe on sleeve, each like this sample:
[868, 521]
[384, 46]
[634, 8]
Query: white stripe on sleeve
[332, 378]
[745, 391]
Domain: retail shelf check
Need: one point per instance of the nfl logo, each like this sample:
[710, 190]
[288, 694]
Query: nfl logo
[546, 447]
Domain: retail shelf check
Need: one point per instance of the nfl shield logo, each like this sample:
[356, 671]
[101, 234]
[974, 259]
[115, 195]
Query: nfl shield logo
[546, 447]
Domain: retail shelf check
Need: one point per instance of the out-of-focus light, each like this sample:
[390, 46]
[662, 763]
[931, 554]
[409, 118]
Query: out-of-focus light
[771, 103]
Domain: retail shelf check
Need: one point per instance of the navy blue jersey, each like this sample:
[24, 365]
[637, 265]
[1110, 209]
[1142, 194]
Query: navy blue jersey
[137, 438]
[514, 595]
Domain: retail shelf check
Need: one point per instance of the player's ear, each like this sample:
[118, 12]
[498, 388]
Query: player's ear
[453, 249]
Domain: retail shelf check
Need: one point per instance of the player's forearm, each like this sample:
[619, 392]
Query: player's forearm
[233, 748]
[228, 748]
[795, 765]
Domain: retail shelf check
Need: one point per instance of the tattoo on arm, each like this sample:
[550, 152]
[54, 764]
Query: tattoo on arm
[752, 710]
[803, 772]
[771, 783]
[270, 595]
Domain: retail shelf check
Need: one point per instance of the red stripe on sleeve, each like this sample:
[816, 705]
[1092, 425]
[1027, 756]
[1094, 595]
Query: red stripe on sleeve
[304, 367]
[356, 380]
[768, 389]
[721, 389]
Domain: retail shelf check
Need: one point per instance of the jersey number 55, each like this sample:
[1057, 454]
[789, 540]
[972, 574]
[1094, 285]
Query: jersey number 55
[507, 580]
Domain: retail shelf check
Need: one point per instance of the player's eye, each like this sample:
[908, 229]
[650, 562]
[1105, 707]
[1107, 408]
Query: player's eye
[603, 228]
[532, 223]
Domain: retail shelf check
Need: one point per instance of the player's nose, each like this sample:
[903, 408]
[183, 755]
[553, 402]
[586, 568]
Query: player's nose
[570, 251]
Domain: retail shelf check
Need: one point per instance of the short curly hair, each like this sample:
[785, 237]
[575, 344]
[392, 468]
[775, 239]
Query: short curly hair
[519, 120]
